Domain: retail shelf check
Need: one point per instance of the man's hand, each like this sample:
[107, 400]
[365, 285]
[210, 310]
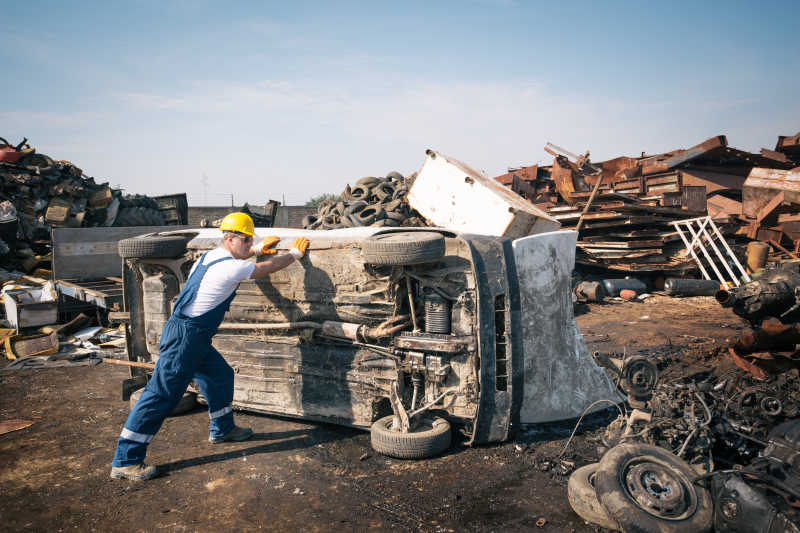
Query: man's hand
[264, 247]
[299, 247]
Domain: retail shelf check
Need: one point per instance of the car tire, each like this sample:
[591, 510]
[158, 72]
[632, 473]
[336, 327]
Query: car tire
[403, 248]
[187, 402]
[645, 488]
[367, 182]
[383, 191]
[155, 246]
[583, 498]
[355, 207]
[359, 192]
[369, 214]
[394, 176]
[430, 438]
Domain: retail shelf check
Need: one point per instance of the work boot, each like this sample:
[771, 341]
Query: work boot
[137, 472]
[237, 434]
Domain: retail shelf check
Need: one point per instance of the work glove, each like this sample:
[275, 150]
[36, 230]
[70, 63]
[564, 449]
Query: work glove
[263, 248]
[299, 247]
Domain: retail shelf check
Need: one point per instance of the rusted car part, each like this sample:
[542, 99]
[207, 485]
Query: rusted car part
[472, 329]
[691, 287]
[647, 488]
[741, 508]
[751, 498]
[591, 291]
[771, 295]
[379, 202]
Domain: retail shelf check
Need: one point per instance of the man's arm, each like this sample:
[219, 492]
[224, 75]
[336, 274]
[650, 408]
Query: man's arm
[265, 268]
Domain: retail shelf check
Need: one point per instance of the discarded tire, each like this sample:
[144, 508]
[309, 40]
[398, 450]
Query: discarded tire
[370, 214]
[155, 246]
[647, 489]
[187, 402]
[139, 216]
[583, 498]
[431, 437]
[403, 248]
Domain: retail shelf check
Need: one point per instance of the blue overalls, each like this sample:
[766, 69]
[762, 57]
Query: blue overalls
[185, 354]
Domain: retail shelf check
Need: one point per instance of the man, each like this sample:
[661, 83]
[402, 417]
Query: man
[185, 351]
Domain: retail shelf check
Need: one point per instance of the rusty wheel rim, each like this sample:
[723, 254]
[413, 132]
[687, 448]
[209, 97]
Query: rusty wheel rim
[659, 489]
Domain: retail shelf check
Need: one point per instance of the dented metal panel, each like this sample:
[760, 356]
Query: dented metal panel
[560, 377]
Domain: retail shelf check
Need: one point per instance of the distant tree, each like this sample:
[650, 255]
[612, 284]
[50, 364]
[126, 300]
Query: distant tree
[316, 200]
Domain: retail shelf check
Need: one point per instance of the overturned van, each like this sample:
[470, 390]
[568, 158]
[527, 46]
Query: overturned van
[402, 331]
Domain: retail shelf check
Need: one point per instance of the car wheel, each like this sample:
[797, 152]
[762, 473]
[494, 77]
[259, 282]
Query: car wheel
[403, 248]
[187, 402]
[646, 489]
[431, 437]
[156, 246]
[583, 498]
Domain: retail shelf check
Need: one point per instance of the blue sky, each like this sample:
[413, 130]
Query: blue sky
[293, 99]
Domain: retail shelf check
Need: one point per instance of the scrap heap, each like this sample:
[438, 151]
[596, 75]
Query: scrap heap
[627, 224]
[380, 202]
[38, 193]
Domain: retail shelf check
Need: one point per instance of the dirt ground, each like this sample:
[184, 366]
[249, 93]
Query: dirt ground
[295, 475]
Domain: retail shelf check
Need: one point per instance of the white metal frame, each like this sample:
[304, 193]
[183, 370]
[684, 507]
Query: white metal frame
[696, 227]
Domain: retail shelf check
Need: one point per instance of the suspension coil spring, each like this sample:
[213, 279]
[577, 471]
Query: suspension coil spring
[437, 314]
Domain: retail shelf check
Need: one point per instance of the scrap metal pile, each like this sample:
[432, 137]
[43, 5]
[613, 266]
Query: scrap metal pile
[623, 207]
[38, 193]
[708, 450]
[370, 202]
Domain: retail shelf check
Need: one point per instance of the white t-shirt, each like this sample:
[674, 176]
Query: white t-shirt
[219, 281]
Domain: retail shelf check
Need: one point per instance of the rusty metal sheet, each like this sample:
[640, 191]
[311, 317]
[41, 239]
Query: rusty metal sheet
[763, 183]
[564, 178]
[684, 156]
[772, 178]
[785, 142]
[721, 205]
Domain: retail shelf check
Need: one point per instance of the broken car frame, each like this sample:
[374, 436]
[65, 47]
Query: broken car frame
[474, 329]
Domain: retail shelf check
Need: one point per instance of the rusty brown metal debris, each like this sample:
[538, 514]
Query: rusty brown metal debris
[626, 226]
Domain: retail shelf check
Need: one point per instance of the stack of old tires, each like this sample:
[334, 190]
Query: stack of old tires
[370, 202]
[138, 210]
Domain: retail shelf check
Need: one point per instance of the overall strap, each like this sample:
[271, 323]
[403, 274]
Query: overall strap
[192, 285]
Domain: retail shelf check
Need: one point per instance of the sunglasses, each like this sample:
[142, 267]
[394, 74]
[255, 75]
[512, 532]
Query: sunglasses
[245, 238]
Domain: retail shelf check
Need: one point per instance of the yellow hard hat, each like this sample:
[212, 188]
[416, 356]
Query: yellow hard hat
[238, 222]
